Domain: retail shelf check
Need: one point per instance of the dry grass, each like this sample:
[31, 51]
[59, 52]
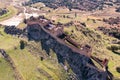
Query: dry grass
[22, 25]
[7, 41]
[29, 66]
[11, 13]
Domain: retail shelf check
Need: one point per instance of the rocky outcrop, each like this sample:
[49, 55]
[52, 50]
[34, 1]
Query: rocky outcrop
[81, 65]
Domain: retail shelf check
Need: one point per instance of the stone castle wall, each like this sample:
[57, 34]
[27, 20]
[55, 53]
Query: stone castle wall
[77, 62]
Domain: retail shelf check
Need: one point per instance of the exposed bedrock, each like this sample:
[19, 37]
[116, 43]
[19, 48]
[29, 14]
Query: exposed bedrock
[77, 62]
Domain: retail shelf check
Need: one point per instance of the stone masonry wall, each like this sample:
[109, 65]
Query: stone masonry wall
[77, 62]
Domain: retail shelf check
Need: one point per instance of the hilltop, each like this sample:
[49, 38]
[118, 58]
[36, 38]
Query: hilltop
[60, 40]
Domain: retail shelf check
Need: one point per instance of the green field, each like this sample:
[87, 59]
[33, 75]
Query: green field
[32, 68]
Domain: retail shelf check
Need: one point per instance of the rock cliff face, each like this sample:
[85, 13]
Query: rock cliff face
[77, 62]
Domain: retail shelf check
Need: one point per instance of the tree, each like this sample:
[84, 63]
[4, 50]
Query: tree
[22, 44]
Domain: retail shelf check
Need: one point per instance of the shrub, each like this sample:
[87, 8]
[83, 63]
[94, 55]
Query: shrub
[113, 48]
[22, 44]
[118, 69]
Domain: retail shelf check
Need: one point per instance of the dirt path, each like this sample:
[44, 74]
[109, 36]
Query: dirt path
[17, 19]
[13, 21]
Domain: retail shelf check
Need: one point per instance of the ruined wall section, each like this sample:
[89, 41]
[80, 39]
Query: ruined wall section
[77, 62]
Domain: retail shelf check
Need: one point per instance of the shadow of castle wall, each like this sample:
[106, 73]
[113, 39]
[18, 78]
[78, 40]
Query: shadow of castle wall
[77, 62]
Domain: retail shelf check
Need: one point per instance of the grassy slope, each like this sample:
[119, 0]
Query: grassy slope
[28, 65]
[11, 13]
[7, 41]
[99, 48]
[6, 73]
